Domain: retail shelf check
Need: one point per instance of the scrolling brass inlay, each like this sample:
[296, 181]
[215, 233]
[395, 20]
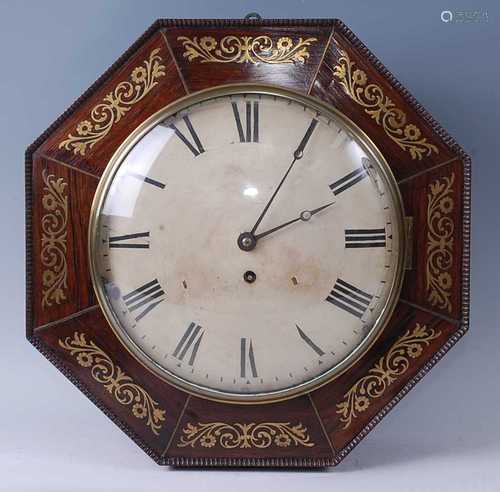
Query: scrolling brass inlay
[115, 105]
[246, 49]
[54, 235]
[381, 108]
[117, 383]
[392, 365]
[257, 435]
[440, 242]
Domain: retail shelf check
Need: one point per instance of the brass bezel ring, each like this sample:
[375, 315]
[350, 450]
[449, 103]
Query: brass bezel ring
[269, 396]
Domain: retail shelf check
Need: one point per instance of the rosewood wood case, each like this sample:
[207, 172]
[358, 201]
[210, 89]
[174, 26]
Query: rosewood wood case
[174, 58]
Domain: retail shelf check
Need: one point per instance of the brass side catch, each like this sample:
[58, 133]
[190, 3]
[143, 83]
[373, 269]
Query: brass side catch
[409, 243]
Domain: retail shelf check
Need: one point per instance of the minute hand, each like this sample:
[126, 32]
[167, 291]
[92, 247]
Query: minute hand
[305, 216]
[299, 152]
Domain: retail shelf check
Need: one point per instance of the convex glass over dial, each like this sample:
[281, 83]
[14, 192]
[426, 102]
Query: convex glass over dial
[247, 244]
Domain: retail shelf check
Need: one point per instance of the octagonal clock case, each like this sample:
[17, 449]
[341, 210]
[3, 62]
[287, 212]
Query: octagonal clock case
[246, 242]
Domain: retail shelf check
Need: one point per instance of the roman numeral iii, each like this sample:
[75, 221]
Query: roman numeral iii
[190, 341]
[144, 297]
[248, 131]
[349, 298]
[195, 147]
[365, 238]
[247, 358]
[125, 241]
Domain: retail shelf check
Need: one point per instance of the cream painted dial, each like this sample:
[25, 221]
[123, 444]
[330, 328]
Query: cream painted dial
[247, 246]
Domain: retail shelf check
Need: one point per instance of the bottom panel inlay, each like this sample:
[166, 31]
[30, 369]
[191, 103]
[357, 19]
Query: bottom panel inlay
[237, 435]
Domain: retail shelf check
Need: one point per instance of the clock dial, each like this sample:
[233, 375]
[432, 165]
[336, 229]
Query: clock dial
[248, 246]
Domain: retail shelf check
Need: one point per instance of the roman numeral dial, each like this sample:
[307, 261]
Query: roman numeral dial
[249, 246]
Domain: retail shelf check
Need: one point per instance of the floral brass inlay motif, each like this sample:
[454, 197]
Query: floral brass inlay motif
[115, 105]
[392, 365]
[246, 49]
[257, 435]
[117, 383]
[54, 235]
[440, 242]
[380, 107]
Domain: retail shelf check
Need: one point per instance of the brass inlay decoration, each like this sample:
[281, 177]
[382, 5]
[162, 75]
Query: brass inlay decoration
[392, 365]
[252, 435]
[246, 49]
[440, 242]
[54, 235]
[380, 107]
[117, 383]
[115, 105]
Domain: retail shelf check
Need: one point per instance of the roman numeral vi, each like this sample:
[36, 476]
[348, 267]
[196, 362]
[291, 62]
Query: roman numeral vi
[247, 358]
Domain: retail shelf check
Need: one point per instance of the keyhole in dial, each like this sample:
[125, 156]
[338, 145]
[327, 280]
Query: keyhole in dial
[249, 277]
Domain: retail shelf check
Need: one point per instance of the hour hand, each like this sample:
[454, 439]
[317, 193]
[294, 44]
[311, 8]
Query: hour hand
[305, 215]
[247, 241]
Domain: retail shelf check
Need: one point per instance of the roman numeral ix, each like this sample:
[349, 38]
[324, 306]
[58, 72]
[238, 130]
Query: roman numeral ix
[349, 298]
[246, 134]
[145, 297]
[190, 341]
[196, 147]
[365, 238]
[124, 241]
[247, 358]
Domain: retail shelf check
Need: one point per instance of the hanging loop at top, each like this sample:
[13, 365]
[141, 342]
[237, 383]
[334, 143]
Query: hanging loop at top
[253, 16]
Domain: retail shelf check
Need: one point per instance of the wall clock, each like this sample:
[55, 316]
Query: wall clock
[246, 242]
